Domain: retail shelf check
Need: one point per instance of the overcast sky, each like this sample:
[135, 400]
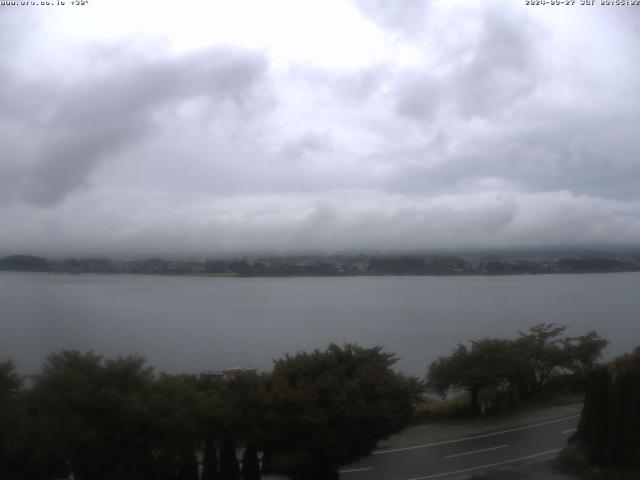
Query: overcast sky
[219, 127]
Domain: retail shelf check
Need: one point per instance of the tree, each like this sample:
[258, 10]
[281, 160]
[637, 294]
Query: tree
[610, 420]
[92, 414]
[210, 459]
[627, 364]
[449, 372]
[233, 409]
[543, 348]
[584, 352]
[488, 364]
[188, 465]
[331, 407]
[10, 417]
[548, 353]
[173, 406]
[239, 409]
[229, 468]
[250, 464]
[10, 383]
[521, 366]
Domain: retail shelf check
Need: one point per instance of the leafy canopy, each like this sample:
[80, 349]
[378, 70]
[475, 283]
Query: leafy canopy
[331, 407]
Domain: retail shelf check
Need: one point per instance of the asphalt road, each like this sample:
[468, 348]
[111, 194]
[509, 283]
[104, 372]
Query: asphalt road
[465, 457]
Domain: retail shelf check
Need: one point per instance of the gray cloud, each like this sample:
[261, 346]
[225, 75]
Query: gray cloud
[588, 151]
[70, 128]
[308, 144]
[504, 66]
[407, 17]
[495, 68]
[511, 114]
[352, 87]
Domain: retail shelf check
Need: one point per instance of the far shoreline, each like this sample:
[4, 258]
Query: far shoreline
[336, 275]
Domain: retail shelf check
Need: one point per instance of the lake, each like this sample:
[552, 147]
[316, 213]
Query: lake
[197, 323]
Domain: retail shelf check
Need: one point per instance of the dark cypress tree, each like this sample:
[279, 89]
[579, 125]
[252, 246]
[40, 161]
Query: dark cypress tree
[166, 466]
[599, 426]
[229, 468]
[624, 435]
[266, 462]
[610, 423]
[595, 422]
[210, 460]
[587, 412]
[633, 426]
[188, 465]
[250, 464]
[617, 440]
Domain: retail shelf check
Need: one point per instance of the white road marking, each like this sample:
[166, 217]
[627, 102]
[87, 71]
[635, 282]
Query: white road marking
[571, 430]
[476, 451]
[486, 435]
[353, 470]
[490, 465]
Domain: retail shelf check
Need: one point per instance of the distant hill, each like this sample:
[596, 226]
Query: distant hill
[24, 263]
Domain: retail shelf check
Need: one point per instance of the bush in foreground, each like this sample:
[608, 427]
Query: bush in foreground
[331, 407]
[114, 419]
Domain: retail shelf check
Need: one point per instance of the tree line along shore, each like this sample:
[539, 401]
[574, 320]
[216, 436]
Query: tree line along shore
[337, 265]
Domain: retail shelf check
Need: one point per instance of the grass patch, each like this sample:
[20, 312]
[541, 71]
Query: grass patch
[554, 400]
[457, 406]
[434, 409]
[573, 459]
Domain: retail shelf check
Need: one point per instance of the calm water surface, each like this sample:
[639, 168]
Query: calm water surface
[192, 324]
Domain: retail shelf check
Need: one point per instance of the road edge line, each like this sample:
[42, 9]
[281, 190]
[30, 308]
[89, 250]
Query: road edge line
[481, 467]
[464, 439]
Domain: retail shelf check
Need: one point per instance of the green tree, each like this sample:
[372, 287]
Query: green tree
[173, 406]
[210, 459]
[92, 414]
[188, 465]
[10, 383]
[239, 410]
[548, 353]
[331, 407]
[233, 409]
[584, 352]
[487, 364]
[250, 464]
[521, 366]
[610, 421]
[11, 421]
[229, 468]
